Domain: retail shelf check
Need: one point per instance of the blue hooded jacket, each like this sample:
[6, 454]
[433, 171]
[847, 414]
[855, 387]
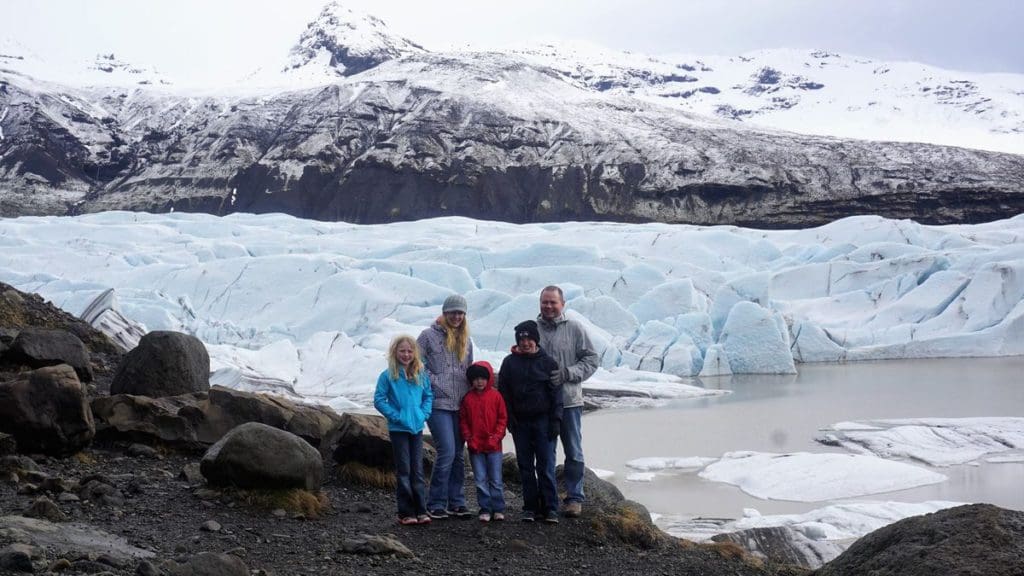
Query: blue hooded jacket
[406, 405]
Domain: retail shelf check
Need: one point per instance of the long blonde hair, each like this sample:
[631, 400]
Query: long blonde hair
[456, 339]
[415, 370]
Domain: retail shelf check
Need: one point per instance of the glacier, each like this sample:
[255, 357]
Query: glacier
[306, 308]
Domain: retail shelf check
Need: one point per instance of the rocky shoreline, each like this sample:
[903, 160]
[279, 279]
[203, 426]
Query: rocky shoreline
[99, 481]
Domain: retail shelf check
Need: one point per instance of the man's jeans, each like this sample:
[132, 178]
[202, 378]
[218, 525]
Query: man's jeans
[448, 476]
[535, 453]
[410, 490]
[572, 445]
[490, 491]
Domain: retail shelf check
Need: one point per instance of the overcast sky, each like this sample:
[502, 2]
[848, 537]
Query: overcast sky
[213, 38]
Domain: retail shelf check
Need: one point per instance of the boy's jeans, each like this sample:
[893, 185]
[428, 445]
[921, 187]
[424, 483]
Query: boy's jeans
[490, 491]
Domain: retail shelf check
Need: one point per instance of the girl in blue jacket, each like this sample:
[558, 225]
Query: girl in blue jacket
[404, 397]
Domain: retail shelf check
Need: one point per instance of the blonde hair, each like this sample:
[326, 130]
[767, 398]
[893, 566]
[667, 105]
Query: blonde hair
[414, 372]
[456, 339]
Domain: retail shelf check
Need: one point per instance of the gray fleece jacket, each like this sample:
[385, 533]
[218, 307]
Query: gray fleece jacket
[567, 342]
[447, 374]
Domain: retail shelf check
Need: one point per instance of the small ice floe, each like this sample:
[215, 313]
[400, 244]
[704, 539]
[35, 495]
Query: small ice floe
[658, 463]
[934, 441]
[807, 477]
[602, 473]
[640, 477]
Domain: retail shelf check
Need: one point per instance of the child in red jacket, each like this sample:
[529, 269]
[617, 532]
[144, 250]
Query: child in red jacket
[482, 419]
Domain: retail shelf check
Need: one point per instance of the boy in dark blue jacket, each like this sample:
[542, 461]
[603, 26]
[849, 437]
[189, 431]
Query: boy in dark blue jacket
[534, 414]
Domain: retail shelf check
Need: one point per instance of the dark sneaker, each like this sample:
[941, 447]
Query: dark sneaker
[437, 514]
[551, 517]
[572, 510]
[527, 516]
[460, 512]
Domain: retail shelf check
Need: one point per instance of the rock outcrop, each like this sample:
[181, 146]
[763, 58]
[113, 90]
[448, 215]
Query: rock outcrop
[973, 539]
[24, 311]
[200, 419]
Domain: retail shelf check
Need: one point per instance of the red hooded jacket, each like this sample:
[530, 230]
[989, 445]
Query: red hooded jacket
[482, 416]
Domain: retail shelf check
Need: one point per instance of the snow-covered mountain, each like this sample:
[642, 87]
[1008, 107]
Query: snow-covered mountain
[365, 126]
[107, 69]
[812, 92]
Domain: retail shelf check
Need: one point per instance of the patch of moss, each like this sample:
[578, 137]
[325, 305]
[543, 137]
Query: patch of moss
[294, 501]
[363, 475]
[628, 525]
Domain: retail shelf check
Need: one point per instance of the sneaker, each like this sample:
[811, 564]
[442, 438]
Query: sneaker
[423, 519]
[572, 510]
[485, 517]
[527, 516]
[498, 517]
[460, 512]
[407, 520]
[438, 514]
[551, 517]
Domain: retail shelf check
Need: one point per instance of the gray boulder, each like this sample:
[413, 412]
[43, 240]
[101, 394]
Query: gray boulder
[47, 412]
[255, 455]
[164, 364]
[40, 347]
[207, 564]
[972, 539]
[361, 438]
[376, 545]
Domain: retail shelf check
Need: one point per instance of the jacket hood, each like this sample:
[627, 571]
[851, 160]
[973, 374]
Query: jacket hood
[560, 319]
[490, 372]
[515, 350]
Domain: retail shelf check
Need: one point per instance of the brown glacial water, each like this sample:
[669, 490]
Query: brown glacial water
[786, 414]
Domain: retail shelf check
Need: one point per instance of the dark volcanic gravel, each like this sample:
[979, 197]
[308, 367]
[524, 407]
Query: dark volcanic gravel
[163, 514]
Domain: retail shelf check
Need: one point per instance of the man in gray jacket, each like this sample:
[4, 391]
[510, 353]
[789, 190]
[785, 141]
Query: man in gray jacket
[567, 342]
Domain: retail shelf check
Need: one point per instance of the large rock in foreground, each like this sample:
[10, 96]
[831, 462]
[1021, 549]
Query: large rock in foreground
[255, 455]
[976, 539]
[47, 412]
[164, 364]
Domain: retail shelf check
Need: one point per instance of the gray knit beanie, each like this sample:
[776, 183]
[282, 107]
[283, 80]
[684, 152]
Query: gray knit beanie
[454, 303]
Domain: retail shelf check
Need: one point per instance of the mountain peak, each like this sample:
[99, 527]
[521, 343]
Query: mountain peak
[348, 42]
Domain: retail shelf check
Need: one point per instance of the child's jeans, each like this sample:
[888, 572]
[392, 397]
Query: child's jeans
[490, 492]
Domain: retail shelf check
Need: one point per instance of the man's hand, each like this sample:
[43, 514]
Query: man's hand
[557, 378]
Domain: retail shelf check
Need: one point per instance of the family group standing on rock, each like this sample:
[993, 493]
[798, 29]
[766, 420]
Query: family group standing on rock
[432, 380]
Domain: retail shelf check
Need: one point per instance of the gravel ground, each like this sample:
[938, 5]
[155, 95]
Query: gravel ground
[163, 513]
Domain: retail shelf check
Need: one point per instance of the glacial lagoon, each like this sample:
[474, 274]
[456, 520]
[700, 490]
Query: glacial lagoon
[785, 414]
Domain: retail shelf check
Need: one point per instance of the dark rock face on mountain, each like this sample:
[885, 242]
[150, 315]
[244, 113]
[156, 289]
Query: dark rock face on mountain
[974, 539]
